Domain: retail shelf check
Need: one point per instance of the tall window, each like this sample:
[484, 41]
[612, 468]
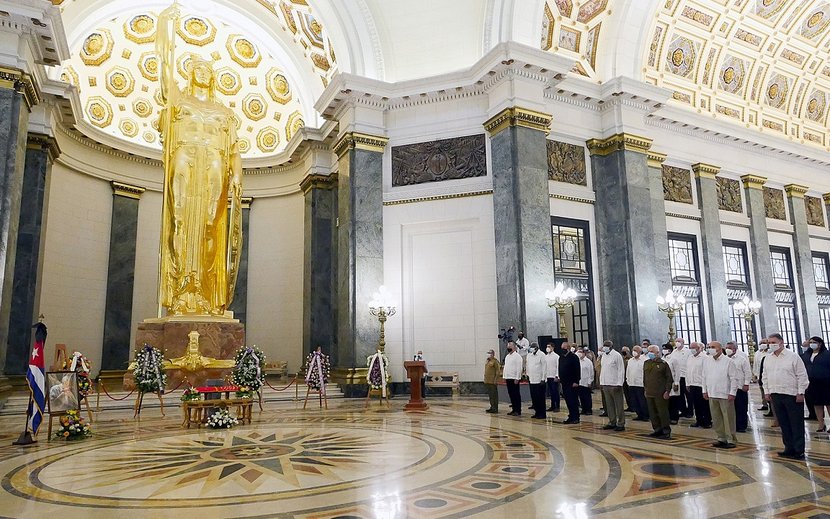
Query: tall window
[572, 267]
[737, 287]
[821, 270]
[782, 276]
[685, 275]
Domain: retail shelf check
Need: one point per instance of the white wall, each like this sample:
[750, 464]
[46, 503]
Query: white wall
[145, 286]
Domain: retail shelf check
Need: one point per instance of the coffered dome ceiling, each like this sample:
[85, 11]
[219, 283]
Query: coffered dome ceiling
[115, 68]
[572, 28]
[759, 63]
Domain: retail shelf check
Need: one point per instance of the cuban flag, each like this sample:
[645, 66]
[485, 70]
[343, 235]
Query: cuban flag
[35, 378]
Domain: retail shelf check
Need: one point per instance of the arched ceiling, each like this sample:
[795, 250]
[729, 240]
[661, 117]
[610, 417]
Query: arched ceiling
[758, 63]
[267, 81]
[572, 28]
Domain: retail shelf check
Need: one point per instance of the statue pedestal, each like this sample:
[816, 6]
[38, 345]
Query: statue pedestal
[218, 339]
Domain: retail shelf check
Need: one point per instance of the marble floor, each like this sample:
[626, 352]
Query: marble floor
[452, 460]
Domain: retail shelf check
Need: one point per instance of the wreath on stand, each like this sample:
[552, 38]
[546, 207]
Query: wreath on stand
[81, 365]
[249, 368]
[318, 369]
[148, 373]
[378, 376]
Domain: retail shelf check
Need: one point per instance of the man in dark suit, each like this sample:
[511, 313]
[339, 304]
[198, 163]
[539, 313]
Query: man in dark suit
[569, 373]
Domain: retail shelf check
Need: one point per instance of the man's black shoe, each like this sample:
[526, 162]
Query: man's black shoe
[492, 411]
[570, 422]
[655, 434]
[514, 413]
[603, 413]
[695, 425]
[538, 417]
[729, 446]
[586, 413]
[608, 427]
[720, 444]
[665, 436]
[763, 408]
[741, 430]
[619, 428]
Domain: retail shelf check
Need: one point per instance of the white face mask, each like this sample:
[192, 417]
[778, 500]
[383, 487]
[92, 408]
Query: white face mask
[573, 350]
[636, 354]
[813, 346]
[711, 351]
[763, 347]
[549, 350]
[666, 352]
[581, 354]
[730, 352]
[695, 351]
[606, 349]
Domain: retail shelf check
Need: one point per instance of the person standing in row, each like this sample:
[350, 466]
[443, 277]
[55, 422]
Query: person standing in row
[657, 383]
[512, 375]
[694, 378]
[675, 399]
[634, 379]
[785, 381]
[491, 374]
[552, 372]
[720, 383]
[569, 374]
[586, 381]
[611, 380]
[536, 366]
[763, 351]
[741, 362]
[817, 363]
[681, 354]
[625, 351]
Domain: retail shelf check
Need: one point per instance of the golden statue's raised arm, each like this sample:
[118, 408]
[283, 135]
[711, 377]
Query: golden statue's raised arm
[166, 50]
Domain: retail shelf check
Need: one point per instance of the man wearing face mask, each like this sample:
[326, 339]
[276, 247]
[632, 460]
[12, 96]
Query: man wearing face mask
[657, 383]
[586, 380]
[491, 373]
[625, 351]
[741, 362]
[785, 381]
[806, 356]
[611, 379]
[569, 373]
[512, 375]
[536, 366]
[694, 378]
[634, 379]
[675, 398]
[720, 383]
[552, 372]
[763, 350]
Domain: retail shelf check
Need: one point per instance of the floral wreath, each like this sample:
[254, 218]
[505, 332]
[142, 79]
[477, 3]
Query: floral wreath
[318, 368]
[378, 366]
[221, 419]
[249, 368]
[149, 375]
[81, 365]
[72, 426]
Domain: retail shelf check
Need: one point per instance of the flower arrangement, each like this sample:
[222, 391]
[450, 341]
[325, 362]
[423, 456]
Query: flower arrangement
[318, 369]
[81, 365]
[84, 385]
[244, 392]
[148, 373]
[72, 426]
[378, 365]
[221, 419]
[249, 370]
[190, 394]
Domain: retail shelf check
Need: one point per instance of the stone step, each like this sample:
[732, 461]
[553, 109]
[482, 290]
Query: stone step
[18, 401]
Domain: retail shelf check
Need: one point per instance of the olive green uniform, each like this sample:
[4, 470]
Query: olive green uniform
[491, 376]
[657, 380]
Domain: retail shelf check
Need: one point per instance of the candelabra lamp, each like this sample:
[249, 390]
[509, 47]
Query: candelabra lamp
[381, 307]
[671, 305]
[748, 308]
[561, 299]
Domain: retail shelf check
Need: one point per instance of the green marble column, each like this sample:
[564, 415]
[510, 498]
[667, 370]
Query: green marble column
[759, 251]
[803, 261]
[239, 305]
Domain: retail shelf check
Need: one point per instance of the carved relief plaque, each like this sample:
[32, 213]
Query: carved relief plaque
[446, 159]
[677, 184]
[815, 213]
[774, 203]
[566, 163]
[729, 194]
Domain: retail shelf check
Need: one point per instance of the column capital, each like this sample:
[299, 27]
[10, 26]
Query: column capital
[47, 143]
[796, 190]
[826, 197]
[21, 82]
[360, 141]
[517, 116]
[246, 202]
[126, 190]
[655, 159]
[753, 181]
[619, 142]
[318, 181]
[702, 170]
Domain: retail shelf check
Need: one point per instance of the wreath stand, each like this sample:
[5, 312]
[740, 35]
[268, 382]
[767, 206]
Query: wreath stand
[88, 410]
[379, 393]
[139, 399]
[321, 393]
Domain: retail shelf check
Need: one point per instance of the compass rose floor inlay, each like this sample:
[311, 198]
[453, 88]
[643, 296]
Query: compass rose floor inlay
[450, 461]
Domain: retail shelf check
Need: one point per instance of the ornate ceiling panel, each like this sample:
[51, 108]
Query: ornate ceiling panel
[572, 28]
[758, 63]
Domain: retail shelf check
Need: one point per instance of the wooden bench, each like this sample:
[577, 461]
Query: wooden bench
[196, 411]
[444, 379]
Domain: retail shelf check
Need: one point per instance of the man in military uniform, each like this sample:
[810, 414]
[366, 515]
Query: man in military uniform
[491, 374]
[657, 382]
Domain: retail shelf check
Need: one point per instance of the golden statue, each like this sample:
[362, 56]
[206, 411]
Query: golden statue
[200, 244]
[193, 360]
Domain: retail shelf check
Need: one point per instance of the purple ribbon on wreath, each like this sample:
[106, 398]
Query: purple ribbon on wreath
[252, 353]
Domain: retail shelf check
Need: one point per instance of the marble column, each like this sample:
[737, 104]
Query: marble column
[521, 204]
[41, 150]
[759, 251]
[319, 275]
[239, 305]
[118, 312]
[359, 245]
[803, 261]
[626, 223]
[714, 272]
[662, 268]
[14, 119]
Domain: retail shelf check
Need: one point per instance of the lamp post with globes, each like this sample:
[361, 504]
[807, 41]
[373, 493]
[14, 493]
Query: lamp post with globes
[561, 298]
[671, 305]
[748, 308]
[381, 307]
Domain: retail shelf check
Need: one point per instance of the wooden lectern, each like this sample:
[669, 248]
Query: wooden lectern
[415, 370]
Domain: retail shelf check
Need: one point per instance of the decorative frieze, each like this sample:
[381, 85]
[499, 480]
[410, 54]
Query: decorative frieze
[566, 163]
[677, 184]
[774, 203]
[655, 160]
[815, 211]
[618, 142]
[434, 161]
[729, 194]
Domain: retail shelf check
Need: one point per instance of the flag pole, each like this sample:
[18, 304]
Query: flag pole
[26, 437]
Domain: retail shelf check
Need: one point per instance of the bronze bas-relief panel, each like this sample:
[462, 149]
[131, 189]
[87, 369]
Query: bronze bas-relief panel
[677, 184]
[815, 213]
[434, 161]
[774, 203]
[566, 163]
[729, 194]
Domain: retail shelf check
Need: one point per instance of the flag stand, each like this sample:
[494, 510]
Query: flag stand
[26, 437]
